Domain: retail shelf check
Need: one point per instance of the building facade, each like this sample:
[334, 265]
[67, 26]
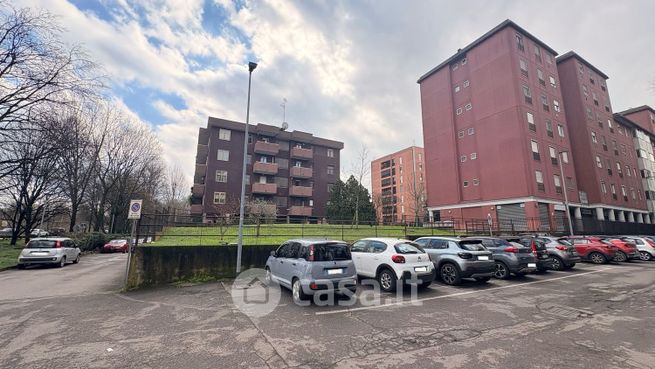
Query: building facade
[292, 171]
[398, 184]
[496, 134]
[603, 148]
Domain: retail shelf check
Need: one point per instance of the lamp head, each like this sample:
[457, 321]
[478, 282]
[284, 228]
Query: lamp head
[285, 125]
[252, 66]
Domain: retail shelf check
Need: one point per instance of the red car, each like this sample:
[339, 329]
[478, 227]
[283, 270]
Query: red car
[626, 250]
[593, 249]
[116, 246]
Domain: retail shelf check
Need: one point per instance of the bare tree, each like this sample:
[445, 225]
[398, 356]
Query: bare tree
[177, 188]
[360, 169]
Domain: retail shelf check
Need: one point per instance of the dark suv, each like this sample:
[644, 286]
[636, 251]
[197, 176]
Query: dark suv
[539, 249]
[455, 259]
[509, 258]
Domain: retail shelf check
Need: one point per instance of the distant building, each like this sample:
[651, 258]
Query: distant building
[398, 185]
[294, 171]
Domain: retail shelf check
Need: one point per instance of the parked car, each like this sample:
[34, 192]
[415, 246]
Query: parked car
[6, 232]
[626, 249]
[562, 254]
[116, 246]
[308, 266]
[509, 258]
[455, 259]
[538, 248]
[592, 248]
[39, 233]
[392, 262]
[53, 251]
[645, 245]
[57, 232]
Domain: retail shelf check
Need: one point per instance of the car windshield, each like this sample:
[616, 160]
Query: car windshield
[564, 241]
[408, 248]
[472, 246]
[331, 252]
[41, 244]
[118, 241]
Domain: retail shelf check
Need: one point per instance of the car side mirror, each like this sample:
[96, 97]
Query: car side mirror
[274, 254]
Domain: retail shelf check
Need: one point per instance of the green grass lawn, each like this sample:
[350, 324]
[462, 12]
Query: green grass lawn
[273, 234]
[9, 254]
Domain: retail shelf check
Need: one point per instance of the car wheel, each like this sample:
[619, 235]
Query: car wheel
[62, 263]
[482, 279]
[77, 259]
[556, 263]
[388, 281]
[620, 257]
[645, 256]
[449, 274]
[501, 271]
[268, 279]
[597, 258]
[297, 292]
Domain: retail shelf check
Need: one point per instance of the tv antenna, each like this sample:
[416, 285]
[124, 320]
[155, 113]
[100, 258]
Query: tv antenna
[285, 125]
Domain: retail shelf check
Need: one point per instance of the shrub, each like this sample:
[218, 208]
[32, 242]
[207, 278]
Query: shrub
[94, 240]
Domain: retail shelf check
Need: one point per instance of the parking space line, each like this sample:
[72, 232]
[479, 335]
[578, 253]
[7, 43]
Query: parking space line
[408, 302]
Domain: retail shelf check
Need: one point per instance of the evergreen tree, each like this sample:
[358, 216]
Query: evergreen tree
[342, 203]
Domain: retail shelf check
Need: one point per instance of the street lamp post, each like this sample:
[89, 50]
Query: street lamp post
[251, 67]
[566, 197]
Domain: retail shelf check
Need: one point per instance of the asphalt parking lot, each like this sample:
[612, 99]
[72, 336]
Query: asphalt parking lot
[599, 316]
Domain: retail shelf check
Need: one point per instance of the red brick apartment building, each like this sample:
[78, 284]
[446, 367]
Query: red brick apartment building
[292, 170]
[498, 138]
[398, 184]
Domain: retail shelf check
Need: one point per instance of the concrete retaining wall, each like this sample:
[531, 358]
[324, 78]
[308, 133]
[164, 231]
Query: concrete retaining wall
[151, 266]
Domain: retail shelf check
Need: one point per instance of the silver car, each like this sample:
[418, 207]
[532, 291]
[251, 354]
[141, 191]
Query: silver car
[562, 254]
[645, 245]
[53, 251]
[455, 259]
[309, 266]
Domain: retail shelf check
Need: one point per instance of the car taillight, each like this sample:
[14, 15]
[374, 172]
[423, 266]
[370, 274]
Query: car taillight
[311, 252]
[561, 247]
[534, 248]
[464, 255]
[313, 286]
[511, 249]
[57, 244]
[398, 259]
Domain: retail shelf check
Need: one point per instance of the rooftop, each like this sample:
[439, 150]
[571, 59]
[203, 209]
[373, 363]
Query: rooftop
[461, 52]
[636, 110]
[573, 54]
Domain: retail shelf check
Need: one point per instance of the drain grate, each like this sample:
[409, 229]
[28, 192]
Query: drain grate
[563, 311]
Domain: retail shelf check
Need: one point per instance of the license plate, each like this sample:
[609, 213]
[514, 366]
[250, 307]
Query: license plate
[483, 258]
[39, 253]
[532, 265]
[421, 269]
[335, 271]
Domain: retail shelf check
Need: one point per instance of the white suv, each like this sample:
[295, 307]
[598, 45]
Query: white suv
[392, 261]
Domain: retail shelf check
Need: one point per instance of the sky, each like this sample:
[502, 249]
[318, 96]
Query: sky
[347, 69]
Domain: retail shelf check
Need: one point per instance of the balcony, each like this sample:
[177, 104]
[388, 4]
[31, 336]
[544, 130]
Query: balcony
[196, 209]
[201, 154]
[201, 170]
[264, 188]
[300, 211]
[198, 190]
[300, 172]
[264, 168]
[267, 148]
[300, 191]
[300, 153]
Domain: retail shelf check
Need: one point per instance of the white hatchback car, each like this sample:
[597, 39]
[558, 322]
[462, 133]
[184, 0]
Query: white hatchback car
[392, 261]
[53, 251]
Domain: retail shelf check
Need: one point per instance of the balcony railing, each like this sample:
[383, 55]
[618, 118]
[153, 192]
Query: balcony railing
[196, 209]
[201, 154]
[300, 191]
[264, 188]
[201, 169]
[301, 153]
[198, 190]
[265, 168]
[267, 148]
[302, 211]
[300, 172]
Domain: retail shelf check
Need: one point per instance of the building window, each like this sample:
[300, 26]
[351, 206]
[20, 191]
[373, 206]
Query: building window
[549, 128]
[524, 67]
[476, 182]
[623, 192]
[531, 124]
[589, 115]
[219, 197]
[618, 169]
[223, 155]
[603, 188]
[535, 150]
[456, 88]
[330, 186]
[539, 177]
[613, 190]
[553, 155]
[560, 130]
[330, 169]
[553, 83]
[466, 183]
[558, 183]
[459, 111]
[330, 153]
[460, 134]
[466, 83]
[599, 163]
[249, 159]
[468, 106]
[474, 156]
[593, 96]
[627, 171]
[537, 54]
[632, 191]
[565, 157]
[540, 76]
[221, 176]
[527, 95]
[569, 183]
[462, 158]
[593, 137]
[455, 66]
[549, 59]
[556, 105]
[247, 179]
[519, 42]
[471, 131]
[224, 134]
[464, 61]
[544, 103]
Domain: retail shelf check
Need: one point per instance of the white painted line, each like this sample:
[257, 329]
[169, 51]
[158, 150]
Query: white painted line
[406, 302]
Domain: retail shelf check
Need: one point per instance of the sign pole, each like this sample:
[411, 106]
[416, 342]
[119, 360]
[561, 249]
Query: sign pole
[133, 214]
